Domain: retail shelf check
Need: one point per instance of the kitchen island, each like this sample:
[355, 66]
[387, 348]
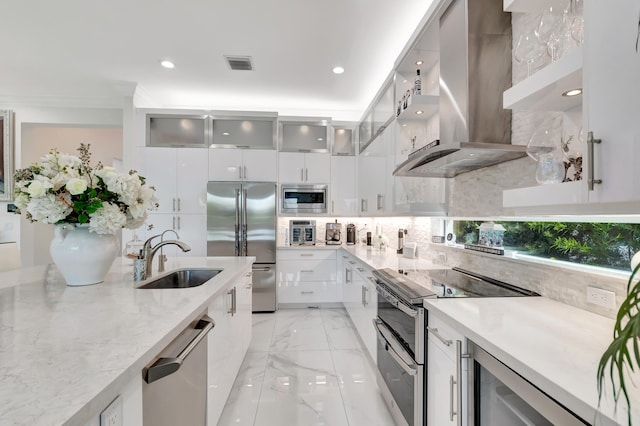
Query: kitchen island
[67, 352]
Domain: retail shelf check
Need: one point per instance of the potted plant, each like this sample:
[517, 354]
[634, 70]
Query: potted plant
[623, 354]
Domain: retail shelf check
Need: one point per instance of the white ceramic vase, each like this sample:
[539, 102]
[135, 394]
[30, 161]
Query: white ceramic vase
[82, 257]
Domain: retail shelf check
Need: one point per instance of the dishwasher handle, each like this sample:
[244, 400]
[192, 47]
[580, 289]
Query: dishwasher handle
[166, 366]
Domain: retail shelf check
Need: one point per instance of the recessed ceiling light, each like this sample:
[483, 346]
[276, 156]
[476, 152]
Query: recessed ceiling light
[419, 62]
[225, 133]
[338, 70]
[419, 112]
[167, 64]
[320, 139]
[404, 124]
[572, 92]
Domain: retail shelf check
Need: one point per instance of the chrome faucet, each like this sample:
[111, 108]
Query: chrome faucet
[163, 257]
[148, 251]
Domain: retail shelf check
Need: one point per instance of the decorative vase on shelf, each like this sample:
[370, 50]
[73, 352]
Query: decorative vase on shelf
[83, 257]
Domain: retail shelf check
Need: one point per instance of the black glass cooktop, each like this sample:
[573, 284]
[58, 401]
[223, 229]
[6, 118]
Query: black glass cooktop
[413, 286]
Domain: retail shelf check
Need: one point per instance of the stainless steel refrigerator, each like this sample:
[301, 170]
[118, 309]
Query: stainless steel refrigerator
[241, 221]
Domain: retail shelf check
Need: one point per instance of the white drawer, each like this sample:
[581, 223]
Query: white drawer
[306, 270]
[443, 335]
[308, 292]
[305, 254]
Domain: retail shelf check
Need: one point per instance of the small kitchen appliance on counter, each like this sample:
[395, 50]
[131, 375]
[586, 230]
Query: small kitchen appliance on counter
[333, 233]
[351, 234]
[302, 232]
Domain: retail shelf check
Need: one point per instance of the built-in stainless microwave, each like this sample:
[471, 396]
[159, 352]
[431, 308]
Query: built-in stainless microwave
[305, 199]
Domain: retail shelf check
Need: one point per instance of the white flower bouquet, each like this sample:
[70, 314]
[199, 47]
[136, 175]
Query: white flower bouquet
[380, 241]
[65, 189]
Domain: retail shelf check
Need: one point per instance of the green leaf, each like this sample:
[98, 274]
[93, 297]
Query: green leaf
[83, 218]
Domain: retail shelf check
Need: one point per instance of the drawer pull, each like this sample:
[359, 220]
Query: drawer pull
[307, 271]
[306, 255]
[435, 332]
[306, 292]
[352, 262]
[360, 269]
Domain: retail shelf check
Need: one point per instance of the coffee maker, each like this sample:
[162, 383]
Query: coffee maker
[351, 234]
[333, 233]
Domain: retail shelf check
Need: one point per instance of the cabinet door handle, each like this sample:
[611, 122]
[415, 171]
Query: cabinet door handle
[178, 223]
[452, 383]
[435, 332]
[248, 286]
[306, 292]
[174, 204]
[360, 269]
[591, 141]
[348, 275]
[306, 174]
[302, 174]
[245, 171]
[352, 262]
[333, 206]
[178, 204]
[380, 200]
[232, 293]
[239, 171]
[174, 223]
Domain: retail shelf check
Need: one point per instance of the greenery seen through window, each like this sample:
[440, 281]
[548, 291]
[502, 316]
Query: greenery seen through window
[609, 245]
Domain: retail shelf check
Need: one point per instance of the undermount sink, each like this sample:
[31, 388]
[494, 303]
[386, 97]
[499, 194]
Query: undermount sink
[181, 278]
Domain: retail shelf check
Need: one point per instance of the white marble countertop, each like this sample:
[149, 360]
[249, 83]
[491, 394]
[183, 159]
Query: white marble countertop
[555, 346]
[388, 258]
[65, 352]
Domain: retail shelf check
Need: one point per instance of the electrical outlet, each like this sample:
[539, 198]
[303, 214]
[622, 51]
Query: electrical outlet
[442, 257]
[601, 297]
[112, 415]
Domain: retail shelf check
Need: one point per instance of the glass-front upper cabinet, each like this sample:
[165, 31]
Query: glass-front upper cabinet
[304, 135]
[383, 108]
[172, 130]
[365, 131]
[344, 136]
[253, 132]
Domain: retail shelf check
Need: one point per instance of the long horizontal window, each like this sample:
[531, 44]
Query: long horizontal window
[609, 245]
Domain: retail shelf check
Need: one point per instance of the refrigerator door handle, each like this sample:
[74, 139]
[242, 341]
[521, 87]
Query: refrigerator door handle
[237, 224]
[244, 222]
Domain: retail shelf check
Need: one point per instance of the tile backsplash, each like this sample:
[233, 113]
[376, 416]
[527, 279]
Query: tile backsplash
[557, 283]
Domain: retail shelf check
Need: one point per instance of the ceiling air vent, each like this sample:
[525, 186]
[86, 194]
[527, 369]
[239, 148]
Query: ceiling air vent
[239, 63]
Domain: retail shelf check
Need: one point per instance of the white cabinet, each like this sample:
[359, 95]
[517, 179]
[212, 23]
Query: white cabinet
[607, 69]
[343, 186]
[360, 299]
[442, 377]
[304, 134]
[307, 277]
[227, 343]
[180, 178]
[374, 175]
[297, 167]
[257, 165]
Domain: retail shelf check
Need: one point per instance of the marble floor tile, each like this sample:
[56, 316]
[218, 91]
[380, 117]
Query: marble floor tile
[262, 333]
[299, 330]
[300, 388]
[305, 367]
[359, 389]
[242, 404]
[339, 330]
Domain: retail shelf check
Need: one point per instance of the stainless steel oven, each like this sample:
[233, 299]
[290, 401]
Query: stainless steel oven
[498, 396]
[401, 325]
[401, 350]
[304, 199]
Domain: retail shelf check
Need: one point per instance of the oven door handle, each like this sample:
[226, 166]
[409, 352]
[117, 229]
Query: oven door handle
[401, 356]
[396, 303]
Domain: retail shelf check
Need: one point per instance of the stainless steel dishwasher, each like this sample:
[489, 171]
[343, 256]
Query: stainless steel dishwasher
[174, 391]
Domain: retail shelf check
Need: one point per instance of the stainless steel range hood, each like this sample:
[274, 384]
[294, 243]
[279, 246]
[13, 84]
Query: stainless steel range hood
[475, 69]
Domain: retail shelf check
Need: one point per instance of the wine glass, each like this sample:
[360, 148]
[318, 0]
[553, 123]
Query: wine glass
[547, 31]
[528, 51]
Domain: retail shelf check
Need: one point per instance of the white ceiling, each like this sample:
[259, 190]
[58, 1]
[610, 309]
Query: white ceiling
[82, 49]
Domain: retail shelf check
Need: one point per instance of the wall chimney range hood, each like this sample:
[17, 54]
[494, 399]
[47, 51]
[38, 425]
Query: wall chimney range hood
[475, 70]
